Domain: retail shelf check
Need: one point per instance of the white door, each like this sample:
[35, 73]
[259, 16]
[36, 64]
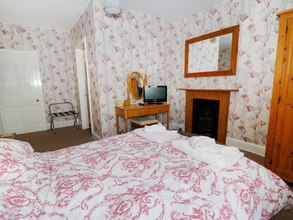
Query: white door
[21, 99]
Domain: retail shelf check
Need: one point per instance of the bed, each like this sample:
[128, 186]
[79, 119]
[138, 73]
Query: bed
[129, 177]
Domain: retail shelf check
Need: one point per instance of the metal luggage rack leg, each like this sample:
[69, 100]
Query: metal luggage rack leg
[53, 115]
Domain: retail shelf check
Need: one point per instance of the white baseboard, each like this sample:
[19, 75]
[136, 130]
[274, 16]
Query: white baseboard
[95, 136]
[61, 124]
[253, 148]
[175, 126]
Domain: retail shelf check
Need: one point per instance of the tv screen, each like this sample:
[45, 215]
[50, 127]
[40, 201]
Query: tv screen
[155, 94]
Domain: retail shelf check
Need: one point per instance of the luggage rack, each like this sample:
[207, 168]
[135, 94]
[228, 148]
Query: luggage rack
[53, 114]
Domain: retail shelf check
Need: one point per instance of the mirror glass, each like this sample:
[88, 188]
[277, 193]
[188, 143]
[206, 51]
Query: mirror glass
[213, 54]
[136, 85]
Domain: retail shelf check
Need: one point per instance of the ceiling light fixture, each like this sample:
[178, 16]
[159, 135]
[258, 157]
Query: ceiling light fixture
[112, 7]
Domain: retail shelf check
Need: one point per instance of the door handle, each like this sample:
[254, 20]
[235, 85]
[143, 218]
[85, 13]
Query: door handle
[37, 100]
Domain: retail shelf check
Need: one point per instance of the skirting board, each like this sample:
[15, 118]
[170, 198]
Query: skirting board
[95, 136]
[253, 148]
[61, 124]
[175, 126]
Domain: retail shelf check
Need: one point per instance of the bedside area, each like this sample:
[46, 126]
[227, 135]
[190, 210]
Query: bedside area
[136, 85]
[10, 136]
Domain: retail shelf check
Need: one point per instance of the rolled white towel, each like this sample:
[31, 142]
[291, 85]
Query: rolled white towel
[226, 156]
[154, 128]
[158, 137]
[184, 146]
[201, 141]
[204, 142]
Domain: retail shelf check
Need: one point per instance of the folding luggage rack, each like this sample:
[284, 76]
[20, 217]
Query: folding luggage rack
[70, 111]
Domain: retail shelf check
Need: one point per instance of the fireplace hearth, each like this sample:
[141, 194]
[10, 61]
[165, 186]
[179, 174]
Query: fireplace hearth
[205, 123]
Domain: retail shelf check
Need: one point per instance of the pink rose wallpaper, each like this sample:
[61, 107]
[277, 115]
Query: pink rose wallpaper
[136, 41]
[55, 59]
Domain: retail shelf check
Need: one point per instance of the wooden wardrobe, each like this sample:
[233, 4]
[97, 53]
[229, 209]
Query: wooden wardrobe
[279, 149]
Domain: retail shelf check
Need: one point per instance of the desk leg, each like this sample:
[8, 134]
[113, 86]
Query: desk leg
[126, 124]
[167, 120]
[117, 124]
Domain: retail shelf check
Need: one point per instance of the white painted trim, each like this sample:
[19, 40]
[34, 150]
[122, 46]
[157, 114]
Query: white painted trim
[61, 124]
[81, 85]
[95, 136]
[1, 126]
[175, 126]
[253, 148]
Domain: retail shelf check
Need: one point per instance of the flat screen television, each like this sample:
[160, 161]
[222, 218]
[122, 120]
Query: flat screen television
[155, 94]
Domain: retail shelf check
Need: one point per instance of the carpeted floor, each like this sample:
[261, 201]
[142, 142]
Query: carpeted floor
[48, 141]
[69, 136]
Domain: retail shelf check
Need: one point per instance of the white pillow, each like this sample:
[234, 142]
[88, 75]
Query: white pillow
[16, 159]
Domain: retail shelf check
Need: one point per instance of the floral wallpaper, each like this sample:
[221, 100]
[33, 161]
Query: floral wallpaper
[139, 42]
[250, 106]
[206, 55]
[224, 59]
[55, 59]
[132, 42]
[151, 45]
[85, 28]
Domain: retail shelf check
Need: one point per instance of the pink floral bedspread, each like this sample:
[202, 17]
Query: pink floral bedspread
[127, 177]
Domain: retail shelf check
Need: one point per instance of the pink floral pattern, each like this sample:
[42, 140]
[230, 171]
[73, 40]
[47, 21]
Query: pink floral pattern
[15, 159]
[151, 45]
[55, 60]
[127, 177]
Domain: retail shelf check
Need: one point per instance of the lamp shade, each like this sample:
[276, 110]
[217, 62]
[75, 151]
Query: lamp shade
[112, 7]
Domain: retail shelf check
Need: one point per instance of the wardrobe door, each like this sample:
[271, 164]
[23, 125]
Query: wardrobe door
[280, 148]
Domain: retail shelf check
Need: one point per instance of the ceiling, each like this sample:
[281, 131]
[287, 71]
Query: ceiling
[63, 14]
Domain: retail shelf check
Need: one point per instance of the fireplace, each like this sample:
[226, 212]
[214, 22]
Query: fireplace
[205, 117]
[215, 97]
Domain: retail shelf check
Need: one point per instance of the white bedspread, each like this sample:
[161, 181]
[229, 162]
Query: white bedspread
[128, 177]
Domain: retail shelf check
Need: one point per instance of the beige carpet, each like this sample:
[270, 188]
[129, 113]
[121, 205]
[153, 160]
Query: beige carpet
[69, 136]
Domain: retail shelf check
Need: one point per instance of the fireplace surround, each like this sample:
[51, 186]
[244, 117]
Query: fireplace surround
[221, 95]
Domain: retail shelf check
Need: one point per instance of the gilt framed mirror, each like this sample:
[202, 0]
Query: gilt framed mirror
[213, 54]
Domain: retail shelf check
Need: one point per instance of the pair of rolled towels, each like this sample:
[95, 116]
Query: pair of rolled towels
[205, 149]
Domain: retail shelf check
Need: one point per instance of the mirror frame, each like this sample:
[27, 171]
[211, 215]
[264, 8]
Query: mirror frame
[129, 90]
[234, 52]
[130, 84]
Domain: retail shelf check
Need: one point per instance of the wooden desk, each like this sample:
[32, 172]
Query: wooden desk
[132, 111]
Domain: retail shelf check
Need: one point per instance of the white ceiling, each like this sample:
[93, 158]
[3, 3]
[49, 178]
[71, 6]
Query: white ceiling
[63, 14]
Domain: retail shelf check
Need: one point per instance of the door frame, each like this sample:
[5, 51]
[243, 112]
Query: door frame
[81, 71]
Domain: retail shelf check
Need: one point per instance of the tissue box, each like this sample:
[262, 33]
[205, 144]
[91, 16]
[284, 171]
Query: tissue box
[119, 102]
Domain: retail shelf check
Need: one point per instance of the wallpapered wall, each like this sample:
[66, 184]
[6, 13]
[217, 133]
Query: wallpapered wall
[85, 28]
[250, 107]
[151, 45]
[139, 42]
[55, 56]
[132, 42]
